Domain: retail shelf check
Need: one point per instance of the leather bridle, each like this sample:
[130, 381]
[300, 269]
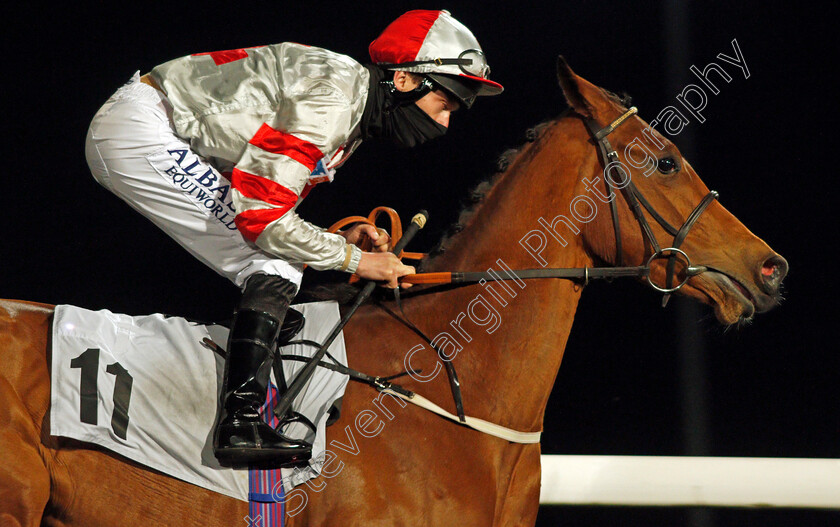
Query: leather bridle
[635, 200]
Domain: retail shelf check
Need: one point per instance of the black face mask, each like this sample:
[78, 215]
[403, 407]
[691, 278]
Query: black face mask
[409, 126]
[399, 120]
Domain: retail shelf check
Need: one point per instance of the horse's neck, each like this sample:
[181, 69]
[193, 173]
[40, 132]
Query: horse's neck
[541, 182]
[507, 367]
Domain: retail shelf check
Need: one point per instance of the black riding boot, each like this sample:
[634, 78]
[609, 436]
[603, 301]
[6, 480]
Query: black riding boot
[241, 435]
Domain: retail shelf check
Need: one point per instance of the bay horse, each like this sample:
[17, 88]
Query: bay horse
[419, 469]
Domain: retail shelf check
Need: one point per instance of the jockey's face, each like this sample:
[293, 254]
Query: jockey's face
[437, 104]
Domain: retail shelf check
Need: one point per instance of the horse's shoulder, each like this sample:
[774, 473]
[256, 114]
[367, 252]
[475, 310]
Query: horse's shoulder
[13, 308]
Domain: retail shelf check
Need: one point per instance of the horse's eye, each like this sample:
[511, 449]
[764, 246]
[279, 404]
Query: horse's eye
[666, 165]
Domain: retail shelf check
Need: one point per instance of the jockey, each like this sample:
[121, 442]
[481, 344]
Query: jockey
[218, 149]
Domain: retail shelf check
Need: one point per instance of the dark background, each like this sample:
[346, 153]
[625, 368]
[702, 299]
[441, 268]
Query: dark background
[630, 383]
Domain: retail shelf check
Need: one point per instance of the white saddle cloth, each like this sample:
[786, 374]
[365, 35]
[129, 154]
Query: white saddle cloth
[147, 388]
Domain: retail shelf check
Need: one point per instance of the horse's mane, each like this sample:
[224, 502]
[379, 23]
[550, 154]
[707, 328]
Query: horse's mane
[477, 194]
[624, 100]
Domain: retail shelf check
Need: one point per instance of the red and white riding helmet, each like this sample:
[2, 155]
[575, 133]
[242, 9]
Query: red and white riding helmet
[438, 46]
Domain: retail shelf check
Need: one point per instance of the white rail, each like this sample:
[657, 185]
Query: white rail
[691, 481]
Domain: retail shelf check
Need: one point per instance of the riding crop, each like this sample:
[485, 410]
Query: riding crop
[285, 401]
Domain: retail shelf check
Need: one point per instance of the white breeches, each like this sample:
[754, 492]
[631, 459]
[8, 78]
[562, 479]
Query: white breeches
[132, 150]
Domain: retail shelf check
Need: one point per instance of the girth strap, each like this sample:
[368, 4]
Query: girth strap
[514, 436]
[384, 385]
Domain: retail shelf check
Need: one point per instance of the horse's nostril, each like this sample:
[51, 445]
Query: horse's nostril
[773, 270]
[768, 270]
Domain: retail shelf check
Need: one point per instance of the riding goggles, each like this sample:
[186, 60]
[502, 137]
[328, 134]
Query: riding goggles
[471, 62]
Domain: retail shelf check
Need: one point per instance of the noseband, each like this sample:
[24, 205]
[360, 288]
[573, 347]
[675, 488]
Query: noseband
[635, 201]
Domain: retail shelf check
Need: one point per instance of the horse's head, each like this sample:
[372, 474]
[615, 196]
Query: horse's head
[732, 269]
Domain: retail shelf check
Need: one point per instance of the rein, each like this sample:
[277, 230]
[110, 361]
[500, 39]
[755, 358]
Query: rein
[636, 202]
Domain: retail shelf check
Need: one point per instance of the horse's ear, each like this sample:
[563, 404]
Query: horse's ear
[571, 88]
[584, 97]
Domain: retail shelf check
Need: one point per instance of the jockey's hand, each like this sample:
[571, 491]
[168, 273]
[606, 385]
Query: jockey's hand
[380, 240]
[383, 267]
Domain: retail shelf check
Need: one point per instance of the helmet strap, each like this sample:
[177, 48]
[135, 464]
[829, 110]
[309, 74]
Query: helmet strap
[397, 98]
